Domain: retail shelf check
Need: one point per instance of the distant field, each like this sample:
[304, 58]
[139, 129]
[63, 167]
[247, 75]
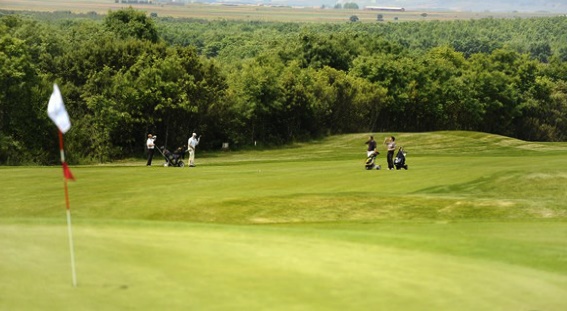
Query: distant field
[249, 12]
[477, 222]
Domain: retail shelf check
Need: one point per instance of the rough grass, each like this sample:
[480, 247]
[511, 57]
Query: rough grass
[477, 222]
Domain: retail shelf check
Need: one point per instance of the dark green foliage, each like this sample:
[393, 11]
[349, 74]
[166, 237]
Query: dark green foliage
[22, 115]
[126, 74]
[131, 23]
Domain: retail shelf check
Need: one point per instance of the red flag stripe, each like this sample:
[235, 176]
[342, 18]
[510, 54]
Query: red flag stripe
[67, 172]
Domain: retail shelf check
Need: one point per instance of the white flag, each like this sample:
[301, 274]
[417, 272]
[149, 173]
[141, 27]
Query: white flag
[56, 111]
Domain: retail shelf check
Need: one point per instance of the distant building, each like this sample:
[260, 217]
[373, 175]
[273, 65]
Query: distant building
[384, 8]
[134, 1]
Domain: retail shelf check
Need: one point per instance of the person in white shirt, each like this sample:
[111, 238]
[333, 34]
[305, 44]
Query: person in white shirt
[191, 145]
[150, 145]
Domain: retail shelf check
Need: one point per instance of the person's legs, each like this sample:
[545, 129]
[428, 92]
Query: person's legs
[390, 158]
[191, 157]
[150, 156]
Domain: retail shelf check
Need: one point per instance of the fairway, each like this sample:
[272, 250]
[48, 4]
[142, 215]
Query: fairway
[477, 222]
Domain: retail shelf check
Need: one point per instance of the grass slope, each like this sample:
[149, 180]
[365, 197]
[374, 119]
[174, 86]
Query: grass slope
[477, 222]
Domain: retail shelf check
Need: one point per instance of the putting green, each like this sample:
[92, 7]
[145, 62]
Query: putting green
[404, 266]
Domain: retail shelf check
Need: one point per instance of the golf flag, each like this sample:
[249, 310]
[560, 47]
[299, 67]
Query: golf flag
[56, 111]
[58, 114]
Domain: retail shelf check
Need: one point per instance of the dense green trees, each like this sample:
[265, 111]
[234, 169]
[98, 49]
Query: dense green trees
[128, 23]
[22, 127]
[126, 74]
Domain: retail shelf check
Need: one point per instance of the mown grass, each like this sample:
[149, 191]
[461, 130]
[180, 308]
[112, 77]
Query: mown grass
[477, 222]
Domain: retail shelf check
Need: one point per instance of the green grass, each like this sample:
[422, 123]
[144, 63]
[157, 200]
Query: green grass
[477, 222]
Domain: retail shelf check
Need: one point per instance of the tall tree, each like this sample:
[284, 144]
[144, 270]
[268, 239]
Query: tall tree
[132, 23]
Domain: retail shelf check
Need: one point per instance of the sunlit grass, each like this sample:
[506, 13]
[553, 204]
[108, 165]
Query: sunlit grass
[477, 222]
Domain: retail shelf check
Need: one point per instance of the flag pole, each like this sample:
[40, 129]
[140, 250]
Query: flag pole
[57, 113]
[69, 229]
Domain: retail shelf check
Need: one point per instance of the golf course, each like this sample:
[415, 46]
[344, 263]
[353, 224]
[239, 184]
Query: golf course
[477, 222]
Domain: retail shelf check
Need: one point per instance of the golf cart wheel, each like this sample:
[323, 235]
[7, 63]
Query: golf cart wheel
[406, 167]
[181, 164]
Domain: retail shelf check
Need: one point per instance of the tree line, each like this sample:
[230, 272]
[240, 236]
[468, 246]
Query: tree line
[126, 74]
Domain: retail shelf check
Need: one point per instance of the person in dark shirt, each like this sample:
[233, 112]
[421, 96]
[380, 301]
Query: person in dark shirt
[371, 146]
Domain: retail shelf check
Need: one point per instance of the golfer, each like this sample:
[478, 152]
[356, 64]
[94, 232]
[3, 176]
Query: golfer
[390, 142]
[150, 145]
[191, 145]
[371, 146]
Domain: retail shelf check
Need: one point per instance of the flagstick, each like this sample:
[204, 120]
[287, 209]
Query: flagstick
[70, 232]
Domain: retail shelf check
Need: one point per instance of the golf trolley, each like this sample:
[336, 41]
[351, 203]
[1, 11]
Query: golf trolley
[400, 160]
[371, 161]
[173, 158]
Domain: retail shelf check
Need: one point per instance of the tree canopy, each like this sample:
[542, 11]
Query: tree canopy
[125, 74]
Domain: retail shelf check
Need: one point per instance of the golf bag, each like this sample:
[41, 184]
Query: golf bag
[371, 161]
[173, 158]
[400, 160]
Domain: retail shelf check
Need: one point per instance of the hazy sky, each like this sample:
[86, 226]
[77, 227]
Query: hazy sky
[558, 6]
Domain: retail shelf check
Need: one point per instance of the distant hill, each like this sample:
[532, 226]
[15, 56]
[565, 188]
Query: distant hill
[486, 5]
[558, 6]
